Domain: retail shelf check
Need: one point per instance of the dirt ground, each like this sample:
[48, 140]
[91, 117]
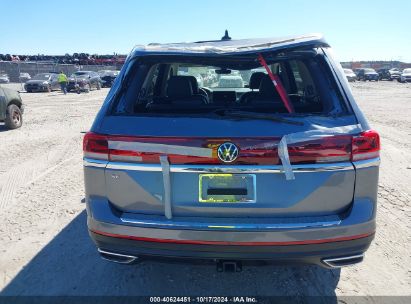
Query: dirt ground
[45, 249]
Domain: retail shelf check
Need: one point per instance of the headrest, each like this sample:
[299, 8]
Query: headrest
[255, 80]
[179, 87]
[267, 89]
[194, 83]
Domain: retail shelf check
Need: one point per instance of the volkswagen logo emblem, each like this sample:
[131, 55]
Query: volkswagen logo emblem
[227, 152]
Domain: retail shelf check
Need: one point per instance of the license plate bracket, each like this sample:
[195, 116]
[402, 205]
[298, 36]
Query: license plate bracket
[227, 188]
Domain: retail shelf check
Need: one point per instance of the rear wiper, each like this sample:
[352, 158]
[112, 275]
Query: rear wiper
[251, 115]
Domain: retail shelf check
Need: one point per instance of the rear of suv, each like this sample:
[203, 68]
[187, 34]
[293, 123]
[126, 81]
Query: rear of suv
[284, 168]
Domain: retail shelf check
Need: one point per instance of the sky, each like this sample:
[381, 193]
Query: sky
[357, 30]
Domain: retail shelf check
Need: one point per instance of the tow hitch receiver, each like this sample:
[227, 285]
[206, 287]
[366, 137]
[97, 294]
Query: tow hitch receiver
[229, 266]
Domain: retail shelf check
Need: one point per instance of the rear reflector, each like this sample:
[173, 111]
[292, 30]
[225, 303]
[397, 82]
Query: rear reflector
[255, 151]
[231, 243]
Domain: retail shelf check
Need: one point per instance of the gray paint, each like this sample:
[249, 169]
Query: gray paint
[336, 203]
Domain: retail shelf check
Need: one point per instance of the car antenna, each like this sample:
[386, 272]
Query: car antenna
[226, 37]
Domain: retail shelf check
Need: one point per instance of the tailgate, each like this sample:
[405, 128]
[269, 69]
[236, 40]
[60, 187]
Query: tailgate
[201, 184]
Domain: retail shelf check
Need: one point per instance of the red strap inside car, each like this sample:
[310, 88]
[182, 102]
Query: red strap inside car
[277, 84]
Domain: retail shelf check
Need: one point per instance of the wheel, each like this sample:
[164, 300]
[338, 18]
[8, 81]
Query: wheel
[98, 86]
[14, 119]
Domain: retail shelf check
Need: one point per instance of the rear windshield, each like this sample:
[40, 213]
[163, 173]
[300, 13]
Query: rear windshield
[369, 71]
[167, 85]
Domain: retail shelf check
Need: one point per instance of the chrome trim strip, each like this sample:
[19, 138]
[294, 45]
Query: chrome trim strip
[366, 163]
[230, 168]
[196, 225]
[90, 162]
[329, 262]
[129, 258]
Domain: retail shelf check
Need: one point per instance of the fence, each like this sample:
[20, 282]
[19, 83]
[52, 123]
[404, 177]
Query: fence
[13, 69]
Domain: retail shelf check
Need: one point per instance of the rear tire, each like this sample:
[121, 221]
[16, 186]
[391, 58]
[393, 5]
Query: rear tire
[14, 118]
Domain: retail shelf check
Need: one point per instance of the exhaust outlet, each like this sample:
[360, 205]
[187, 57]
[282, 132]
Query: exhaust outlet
[117, 257]
[343, 261]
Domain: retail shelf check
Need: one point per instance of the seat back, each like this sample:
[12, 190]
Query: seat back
[254, 84]
[180, 91]
[268, 96]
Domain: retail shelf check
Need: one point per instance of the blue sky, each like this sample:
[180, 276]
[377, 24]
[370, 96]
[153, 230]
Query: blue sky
[373, 29]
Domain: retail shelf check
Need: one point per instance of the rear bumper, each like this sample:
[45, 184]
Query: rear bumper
[285, 254]
[74, 86]
[36, 88]
[304, 238]
[309, 244]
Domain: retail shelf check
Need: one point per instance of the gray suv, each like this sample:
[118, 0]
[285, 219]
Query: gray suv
[282, 169]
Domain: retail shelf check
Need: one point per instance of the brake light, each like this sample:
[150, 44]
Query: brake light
[256, 151]
[365, 146]
[323, 150]
[95, 146]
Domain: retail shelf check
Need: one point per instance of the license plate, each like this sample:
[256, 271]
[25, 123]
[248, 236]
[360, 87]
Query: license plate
[227, 188]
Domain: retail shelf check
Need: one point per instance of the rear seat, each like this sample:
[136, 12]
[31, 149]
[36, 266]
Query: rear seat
[254, 84]
[179, 93]
[267, 96]
[194, 86]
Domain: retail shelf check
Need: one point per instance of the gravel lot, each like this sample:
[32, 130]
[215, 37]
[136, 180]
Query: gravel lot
[45, 249]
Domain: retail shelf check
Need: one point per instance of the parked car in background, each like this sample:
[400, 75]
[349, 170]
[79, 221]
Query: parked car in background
[84, 81]
[405, 76]
[24, 77]
[350, 75]
[11, 108]
[4, 78]
[43, 82]
[107, 77]
[383, 74]
[394, 73]
[286, 174]
[367, 74]
[230, 82]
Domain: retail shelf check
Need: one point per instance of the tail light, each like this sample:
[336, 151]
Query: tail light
[323, 150]
[95, 146]
[337, 148]
[365, 146]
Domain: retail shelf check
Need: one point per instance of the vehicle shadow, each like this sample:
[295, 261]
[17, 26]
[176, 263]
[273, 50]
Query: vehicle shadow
[3, 127]
[69, 265]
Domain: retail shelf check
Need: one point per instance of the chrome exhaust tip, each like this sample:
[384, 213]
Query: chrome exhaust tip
[343, 261]
[117, 257]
